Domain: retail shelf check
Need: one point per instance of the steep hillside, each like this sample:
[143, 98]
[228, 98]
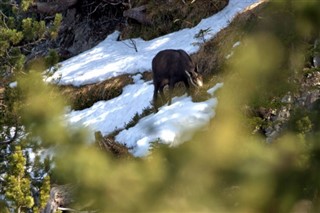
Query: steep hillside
[247, 141]
[269, 114]
[113, 58]
[289, 98]
[86, 23]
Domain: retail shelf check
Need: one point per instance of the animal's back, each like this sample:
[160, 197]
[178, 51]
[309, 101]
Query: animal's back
[165, 61]
[185, 58]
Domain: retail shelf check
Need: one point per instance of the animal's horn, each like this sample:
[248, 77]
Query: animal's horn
[191, 80]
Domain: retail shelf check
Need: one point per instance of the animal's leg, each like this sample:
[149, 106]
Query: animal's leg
[171, 86]
[187, 85]
[163, 98]
[155, 96]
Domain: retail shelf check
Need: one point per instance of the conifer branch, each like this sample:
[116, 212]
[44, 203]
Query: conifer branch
[11, 140]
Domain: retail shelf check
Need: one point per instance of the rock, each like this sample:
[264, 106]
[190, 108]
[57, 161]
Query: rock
[83, 26]
[283, 115]
[287, 99]
[316, 60]
[60, 196]
[316, 57]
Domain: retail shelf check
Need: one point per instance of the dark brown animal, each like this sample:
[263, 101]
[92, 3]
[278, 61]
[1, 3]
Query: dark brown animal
[172, 66]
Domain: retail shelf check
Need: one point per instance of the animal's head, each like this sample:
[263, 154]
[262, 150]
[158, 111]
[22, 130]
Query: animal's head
[195, 77]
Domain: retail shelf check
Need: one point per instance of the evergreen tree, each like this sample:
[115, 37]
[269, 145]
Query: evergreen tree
[20, 31]
[17, 184]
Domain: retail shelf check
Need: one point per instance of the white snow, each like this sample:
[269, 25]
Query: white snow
[107, 116]
[13, 84]
[172, 124]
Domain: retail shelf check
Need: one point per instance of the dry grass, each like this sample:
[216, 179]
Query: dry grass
[212, 55]
[211, 58]
[85, 96]
[171, 15]
[147, 76]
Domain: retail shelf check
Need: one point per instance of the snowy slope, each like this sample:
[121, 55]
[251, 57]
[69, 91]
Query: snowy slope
[111, 58]
[107, 116]
[173, 124]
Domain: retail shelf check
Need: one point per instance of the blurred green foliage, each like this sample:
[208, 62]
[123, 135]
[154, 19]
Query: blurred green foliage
[225, 169]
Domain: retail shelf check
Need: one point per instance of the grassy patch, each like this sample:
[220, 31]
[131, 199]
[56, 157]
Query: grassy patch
[83, 97]
[212, 55]
[147, 76]
[169, 16]
[137, 117]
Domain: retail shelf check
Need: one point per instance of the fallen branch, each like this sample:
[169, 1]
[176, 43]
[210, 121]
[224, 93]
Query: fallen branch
[51, 8]
[117, 2]
[111, 146]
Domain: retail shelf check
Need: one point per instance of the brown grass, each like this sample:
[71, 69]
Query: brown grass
[170, 15]
[211, 57]
[85, 96]
[147, 76]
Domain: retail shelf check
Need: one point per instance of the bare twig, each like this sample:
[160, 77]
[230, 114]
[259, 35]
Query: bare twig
[73, 210]
[95, 9]
[133, 44]
[4, 17]
[31, 43]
